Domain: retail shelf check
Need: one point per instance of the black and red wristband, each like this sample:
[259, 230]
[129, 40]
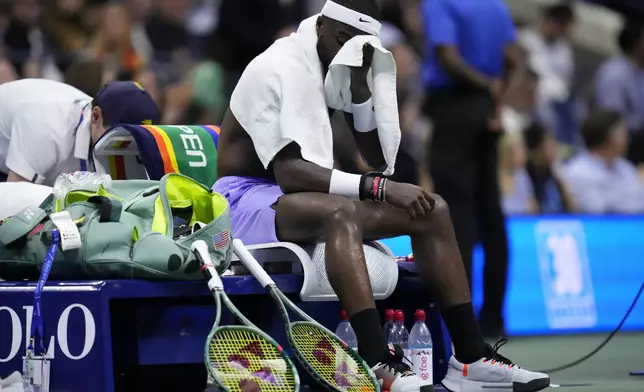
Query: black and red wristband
[372, 187]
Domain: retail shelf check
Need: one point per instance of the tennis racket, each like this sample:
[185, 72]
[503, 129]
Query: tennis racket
[325, 356]
[242, 358]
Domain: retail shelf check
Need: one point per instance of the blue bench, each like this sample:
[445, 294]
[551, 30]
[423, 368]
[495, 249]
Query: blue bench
[123, 335]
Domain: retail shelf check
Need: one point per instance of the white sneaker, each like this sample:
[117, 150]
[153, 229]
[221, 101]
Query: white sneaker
[396, 376]
[492, 375]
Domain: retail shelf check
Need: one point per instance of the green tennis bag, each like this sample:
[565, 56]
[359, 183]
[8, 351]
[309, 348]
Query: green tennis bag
[130, 229]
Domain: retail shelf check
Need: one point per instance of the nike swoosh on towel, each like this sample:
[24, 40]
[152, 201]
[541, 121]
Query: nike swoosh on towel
[364, 20]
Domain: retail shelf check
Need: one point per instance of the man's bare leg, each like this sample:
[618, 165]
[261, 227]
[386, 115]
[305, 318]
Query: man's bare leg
[439, 264]
[307, 217]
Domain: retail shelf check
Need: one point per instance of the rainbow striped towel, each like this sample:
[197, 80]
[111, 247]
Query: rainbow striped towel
[187, 149]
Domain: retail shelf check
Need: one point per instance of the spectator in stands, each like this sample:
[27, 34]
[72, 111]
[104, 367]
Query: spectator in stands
[23, 39]
[519, 107]
[5, 15]
[67, 28]
[87, 76]
[550, 192]
[7, 71]
[550, 54]
[468, 44]
[516, 188]
[414, 130]
[620, 86]
[139, 11]
[166, 30]
[601, 180]
[112, 43]
[246, 28]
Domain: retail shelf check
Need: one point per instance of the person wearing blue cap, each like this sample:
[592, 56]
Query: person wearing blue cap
[47, 127]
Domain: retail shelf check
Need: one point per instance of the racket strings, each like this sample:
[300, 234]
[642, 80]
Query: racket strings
[242, 360]
[330, 358]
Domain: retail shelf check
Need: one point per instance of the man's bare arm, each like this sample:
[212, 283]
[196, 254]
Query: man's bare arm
[368, 144]
[294, 174]
[347, 156]
[13, 177]
[514, 59]
[453, 63]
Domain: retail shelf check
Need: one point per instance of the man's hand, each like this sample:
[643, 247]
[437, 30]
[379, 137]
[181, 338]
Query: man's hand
[416, 201]
[359, 86]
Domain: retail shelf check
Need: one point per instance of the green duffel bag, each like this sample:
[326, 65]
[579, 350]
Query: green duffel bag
[131, 229]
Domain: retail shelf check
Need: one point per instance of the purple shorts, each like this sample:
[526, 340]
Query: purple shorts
[251, 217]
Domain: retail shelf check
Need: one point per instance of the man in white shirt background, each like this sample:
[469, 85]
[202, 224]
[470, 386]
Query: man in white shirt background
[47, 127]
[601, 180]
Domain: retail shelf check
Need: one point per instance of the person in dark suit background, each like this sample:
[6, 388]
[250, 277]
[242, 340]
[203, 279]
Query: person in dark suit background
[471, 57]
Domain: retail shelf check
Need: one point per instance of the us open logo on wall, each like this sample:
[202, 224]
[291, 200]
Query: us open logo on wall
[565, 275]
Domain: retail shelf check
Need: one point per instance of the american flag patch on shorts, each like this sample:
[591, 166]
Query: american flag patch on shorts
[221, 240]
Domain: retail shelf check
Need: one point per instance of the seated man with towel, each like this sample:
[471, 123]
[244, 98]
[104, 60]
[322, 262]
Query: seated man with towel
[277, 171]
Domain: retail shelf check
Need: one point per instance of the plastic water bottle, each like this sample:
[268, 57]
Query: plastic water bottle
[389, 322]
[346, 332]
[88, 181]
[420, 343]
[400, 336]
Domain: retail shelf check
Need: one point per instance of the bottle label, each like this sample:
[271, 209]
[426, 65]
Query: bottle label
[422, 363]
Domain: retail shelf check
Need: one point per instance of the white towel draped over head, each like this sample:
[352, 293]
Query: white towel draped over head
[282, 96]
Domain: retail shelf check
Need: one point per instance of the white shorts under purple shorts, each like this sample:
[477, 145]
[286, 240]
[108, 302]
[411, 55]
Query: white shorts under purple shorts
[251, 217]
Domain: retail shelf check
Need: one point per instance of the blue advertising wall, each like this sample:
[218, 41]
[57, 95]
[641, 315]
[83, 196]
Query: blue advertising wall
[567, 274]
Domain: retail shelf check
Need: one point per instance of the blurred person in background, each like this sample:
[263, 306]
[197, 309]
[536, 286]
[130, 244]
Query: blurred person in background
[601, 180]
[67, 27]
[202, 21]
[550, 54]
[168, 35]
[471, 58]
[246, 29]
[139, 11]
[517, 112]
[414, 130]
[5, 15]
[619, 85]
[7, 71]
[405, 16]
[550, 192]
[87, 76]
[112, 43]
[23, 39]
[517, 191]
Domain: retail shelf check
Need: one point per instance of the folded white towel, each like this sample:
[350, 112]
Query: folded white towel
[280, 98]
[381, 80]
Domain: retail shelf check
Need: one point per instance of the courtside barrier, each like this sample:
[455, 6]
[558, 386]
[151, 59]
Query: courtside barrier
[567, 273]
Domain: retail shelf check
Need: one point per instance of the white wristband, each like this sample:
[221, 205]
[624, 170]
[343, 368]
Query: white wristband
[345, 184]
[364, 116]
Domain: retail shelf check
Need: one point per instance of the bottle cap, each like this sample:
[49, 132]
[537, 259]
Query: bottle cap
[389, 315]
[343, 315]
[399, 316]
[419, 315]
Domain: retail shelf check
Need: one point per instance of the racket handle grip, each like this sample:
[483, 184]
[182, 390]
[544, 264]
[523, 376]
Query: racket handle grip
[200, 249]
[251, 263]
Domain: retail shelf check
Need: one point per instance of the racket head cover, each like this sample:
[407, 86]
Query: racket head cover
[327, 358]
[244, 359]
